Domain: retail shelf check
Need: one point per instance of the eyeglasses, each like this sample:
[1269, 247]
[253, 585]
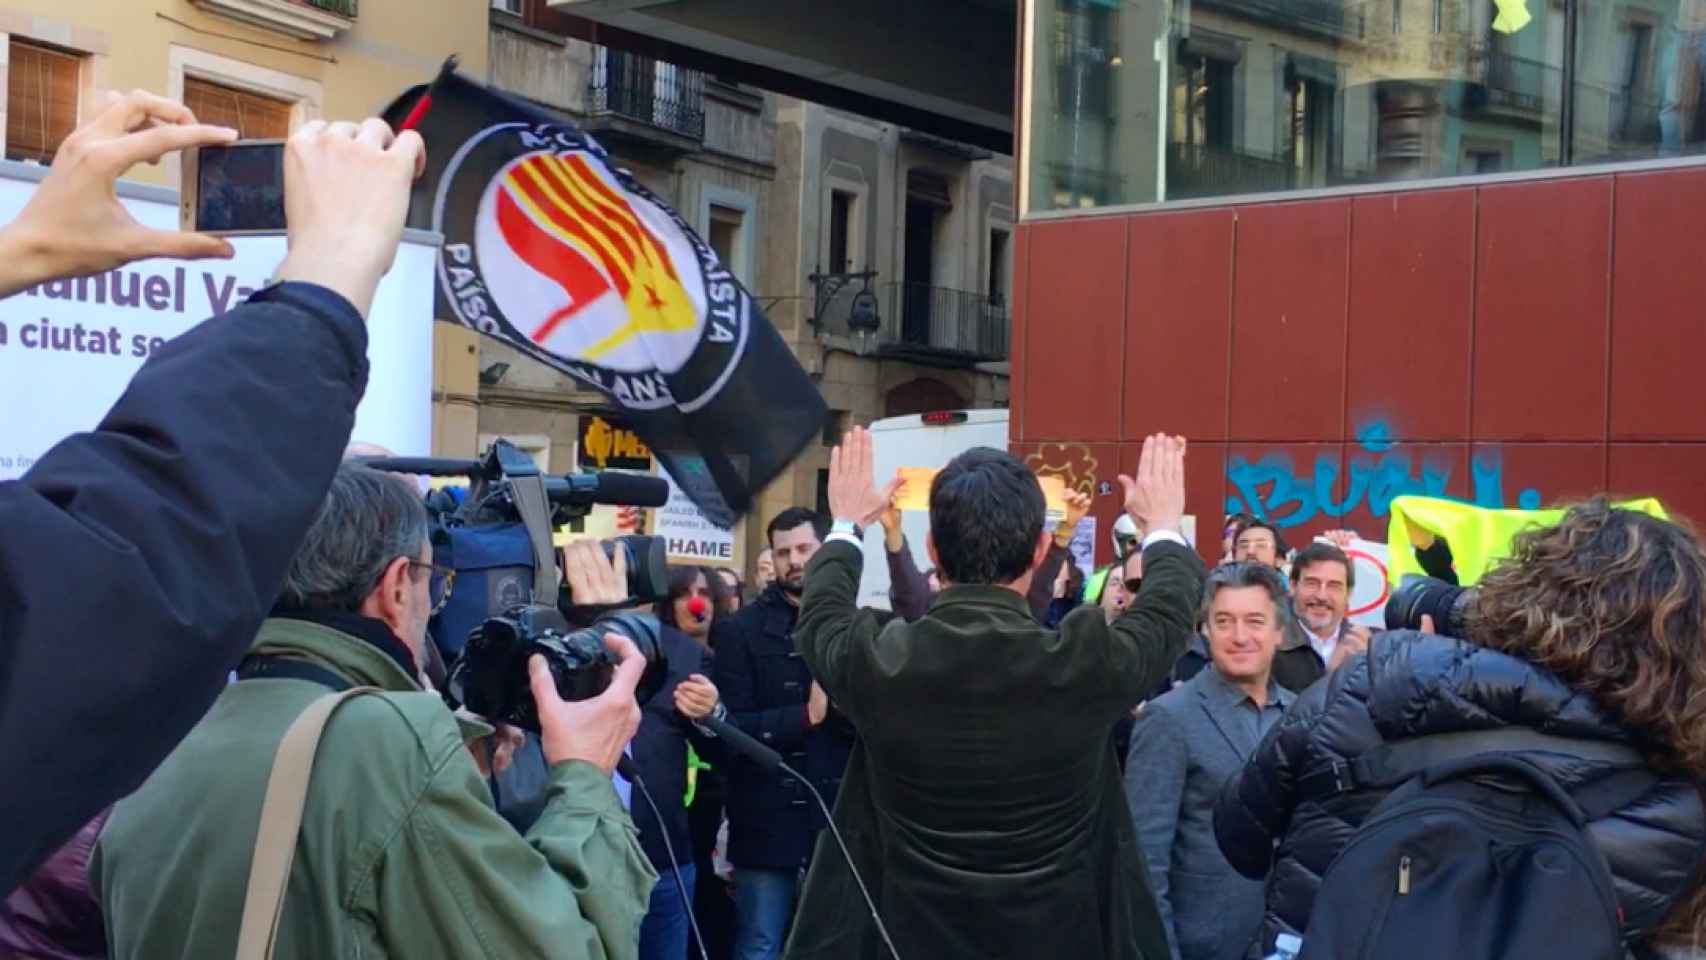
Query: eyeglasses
[438, 584]
[1132, 585]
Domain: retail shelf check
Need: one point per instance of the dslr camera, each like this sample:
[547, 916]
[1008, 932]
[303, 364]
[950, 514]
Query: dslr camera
[1416, 595]
[508, 603]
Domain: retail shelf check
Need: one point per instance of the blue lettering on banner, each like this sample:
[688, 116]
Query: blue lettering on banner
[1271, 489]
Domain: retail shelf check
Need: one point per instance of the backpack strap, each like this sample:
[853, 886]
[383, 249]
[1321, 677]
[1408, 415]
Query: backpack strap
[268, 667]
[281, 820]
[1392, 763]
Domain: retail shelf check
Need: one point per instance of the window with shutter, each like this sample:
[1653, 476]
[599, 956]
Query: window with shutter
[41, 100]
[253, 116]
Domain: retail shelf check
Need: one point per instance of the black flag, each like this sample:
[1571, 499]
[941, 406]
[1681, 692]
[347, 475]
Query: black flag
[554, 251]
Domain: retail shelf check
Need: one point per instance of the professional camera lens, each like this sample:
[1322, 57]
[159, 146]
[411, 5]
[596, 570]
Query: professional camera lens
[1416, 596]
[491, 677]
[648, 566]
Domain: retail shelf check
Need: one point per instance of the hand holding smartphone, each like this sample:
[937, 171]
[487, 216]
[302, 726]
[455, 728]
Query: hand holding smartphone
[236, 190]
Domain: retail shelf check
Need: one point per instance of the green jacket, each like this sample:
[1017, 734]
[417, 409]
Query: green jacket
[401, 852]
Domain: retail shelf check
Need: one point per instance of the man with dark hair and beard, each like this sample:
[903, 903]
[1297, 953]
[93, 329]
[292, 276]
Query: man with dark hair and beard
[769, 693]
[983, 803]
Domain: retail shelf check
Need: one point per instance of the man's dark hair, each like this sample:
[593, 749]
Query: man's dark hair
[796, 517]
[1323, 553]
[1279, 541]
[986, 515]
[367, 520]
[1245, 573]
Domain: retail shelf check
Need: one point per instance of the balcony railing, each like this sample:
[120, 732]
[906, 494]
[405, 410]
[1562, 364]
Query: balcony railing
[638, 88]
[922, 317]
[1195, 170]
[1516, 84]
[344, 7]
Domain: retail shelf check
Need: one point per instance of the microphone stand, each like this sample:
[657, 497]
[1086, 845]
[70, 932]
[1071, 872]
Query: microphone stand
[771, 761]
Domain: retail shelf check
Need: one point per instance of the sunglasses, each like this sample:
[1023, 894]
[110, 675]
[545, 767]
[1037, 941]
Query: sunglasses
[438, 584]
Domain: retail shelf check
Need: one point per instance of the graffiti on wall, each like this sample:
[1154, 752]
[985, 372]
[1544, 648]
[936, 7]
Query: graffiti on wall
[1273, 489]
[1071, 462]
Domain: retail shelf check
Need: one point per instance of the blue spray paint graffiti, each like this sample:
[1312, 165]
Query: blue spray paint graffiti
[1271, 489]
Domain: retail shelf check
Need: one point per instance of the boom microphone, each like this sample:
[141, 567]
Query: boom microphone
[575, 489]
[430, 466]
[617, 489]
[771, 762]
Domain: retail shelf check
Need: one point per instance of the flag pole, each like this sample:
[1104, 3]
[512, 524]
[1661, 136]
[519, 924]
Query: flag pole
[419, 110]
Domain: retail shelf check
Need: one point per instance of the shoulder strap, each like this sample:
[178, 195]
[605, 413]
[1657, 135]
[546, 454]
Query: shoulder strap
[281, 820]
[260, 667]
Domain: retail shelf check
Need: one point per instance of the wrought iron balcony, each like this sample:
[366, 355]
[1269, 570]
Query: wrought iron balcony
[640, 98]
[1195, 170]
[927, 320]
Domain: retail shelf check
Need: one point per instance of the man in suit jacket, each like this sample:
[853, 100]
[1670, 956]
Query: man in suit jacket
[1319, 635]
[1187, 744]
[982, 802]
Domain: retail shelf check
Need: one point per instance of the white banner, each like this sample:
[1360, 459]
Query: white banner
[68, 348]
[689, 538]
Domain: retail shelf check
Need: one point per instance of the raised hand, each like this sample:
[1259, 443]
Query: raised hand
[853, 495]
[1155, 498]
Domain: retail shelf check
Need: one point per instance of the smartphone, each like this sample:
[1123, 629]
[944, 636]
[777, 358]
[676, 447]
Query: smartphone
[236, 190]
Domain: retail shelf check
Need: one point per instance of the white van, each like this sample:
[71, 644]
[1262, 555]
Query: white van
[927, 440]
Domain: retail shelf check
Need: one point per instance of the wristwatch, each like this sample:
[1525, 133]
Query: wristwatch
[848, 527]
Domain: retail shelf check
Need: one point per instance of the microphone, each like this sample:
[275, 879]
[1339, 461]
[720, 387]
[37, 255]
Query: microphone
[771, 762]
[615, 489]
[430, 466]
[625, 766]
[767, 759]
[575, 489]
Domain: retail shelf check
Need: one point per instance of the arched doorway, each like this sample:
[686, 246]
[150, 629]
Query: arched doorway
[921, 396]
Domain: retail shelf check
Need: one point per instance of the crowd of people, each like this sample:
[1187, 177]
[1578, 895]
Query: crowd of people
[234, 744]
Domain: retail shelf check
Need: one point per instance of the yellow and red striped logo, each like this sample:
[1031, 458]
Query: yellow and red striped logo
[565, 222]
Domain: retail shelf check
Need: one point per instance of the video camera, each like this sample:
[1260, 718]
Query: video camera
[508, 603]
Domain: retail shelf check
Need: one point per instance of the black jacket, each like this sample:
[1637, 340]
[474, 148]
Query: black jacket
[764, 683]
[660, 755]
[137, 561]
[1409, 685]
[983, 805]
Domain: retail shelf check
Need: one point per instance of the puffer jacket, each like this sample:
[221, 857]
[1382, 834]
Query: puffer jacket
[1410, 685]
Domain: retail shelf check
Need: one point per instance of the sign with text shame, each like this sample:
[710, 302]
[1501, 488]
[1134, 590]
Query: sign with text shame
[690, 538]
[69, 347]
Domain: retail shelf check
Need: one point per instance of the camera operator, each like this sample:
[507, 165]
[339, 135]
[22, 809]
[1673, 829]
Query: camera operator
[400, 851]
[139, 558]
[1593, 631]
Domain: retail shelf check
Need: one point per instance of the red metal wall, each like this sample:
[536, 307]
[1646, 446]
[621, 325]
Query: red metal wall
[1516, 343]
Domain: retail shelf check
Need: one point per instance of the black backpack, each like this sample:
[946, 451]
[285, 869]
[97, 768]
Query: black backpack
[1477, 854]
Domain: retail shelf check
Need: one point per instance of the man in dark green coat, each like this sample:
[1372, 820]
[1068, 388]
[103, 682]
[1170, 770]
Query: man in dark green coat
[983, 805]
[400, 851]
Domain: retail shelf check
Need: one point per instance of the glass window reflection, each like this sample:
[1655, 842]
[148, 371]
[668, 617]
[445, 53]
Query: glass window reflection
[1139, 102]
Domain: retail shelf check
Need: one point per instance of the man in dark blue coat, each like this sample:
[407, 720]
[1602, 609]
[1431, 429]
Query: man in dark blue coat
[770, 694]
[138, 560]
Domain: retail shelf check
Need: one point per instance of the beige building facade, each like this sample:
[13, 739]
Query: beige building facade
[263, 61]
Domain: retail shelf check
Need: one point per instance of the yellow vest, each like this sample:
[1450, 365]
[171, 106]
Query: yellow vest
[1478, 536]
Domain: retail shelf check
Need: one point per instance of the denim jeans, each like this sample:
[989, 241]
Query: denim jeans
[764, 902]
[663, 933]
